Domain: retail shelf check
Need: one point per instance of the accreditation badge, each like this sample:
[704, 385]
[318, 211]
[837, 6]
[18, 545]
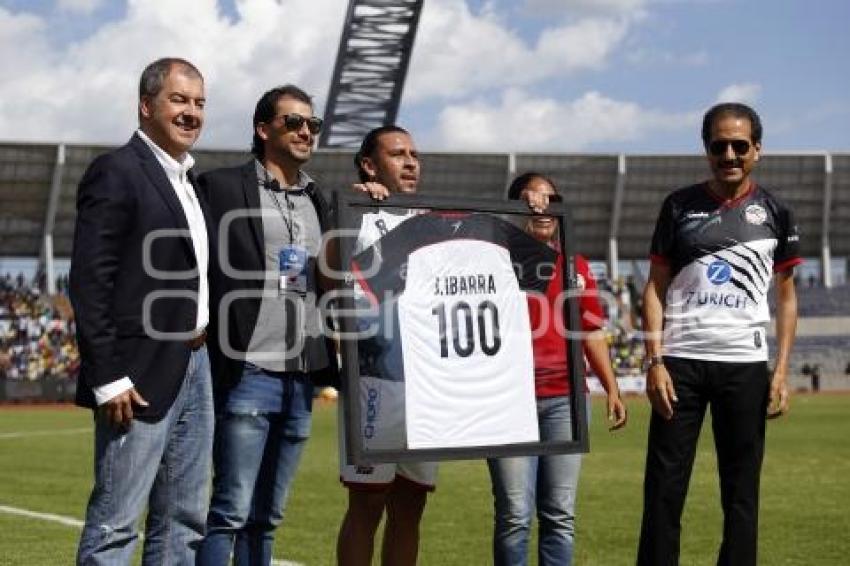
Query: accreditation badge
[292, 260]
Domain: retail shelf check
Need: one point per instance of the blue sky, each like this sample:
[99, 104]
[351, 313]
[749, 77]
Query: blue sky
[498, 75]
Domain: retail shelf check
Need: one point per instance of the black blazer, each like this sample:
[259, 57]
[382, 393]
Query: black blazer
[226, 190]
[123, 197]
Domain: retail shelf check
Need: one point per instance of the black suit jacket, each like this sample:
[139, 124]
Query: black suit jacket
[123, 198]
[225, 191]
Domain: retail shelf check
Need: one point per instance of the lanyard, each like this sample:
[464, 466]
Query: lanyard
[270, 185]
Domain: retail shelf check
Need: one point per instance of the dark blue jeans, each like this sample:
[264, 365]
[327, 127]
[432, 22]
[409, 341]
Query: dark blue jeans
[261, 428]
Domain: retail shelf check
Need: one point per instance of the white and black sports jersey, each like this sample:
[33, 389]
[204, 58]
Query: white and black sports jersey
[376, 225]
[722, 256]
[376, 350]
[462, 341]
[381, 424]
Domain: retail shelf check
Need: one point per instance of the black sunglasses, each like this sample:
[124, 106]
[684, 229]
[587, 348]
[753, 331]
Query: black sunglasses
[294, 122]
[718, 147]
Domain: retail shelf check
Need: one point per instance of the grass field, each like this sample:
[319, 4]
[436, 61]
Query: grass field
[45, 466]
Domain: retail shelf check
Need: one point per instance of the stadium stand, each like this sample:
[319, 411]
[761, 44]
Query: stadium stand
[817, 301]
[823, 334]
[38, 352]
[621, 302]
[613, 199]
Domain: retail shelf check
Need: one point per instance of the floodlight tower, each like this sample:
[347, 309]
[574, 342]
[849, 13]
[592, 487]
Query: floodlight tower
[371, 65]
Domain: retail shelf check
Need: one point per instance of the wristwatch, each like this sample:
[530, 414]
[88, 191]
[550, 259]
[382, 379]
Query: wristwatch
[651, 362]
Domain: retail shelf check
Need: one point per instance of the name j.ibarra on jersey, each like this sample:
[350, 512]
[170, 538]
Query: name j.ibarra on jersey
[480, 284]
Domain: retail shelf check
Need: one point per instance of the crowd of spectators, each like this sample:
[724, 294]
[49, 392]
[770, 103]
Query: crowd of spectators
[625, 340]
[36, 333]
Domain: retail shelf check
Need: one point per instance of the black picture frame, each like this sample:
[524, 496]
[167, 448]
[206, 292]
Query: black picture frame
[348, 207]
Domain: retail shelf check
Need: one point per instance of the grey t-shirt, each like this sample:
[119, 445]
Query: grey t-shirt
[288, 335]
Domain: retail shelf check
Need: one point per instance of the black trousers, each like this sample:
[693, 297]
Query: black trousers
[738, 396]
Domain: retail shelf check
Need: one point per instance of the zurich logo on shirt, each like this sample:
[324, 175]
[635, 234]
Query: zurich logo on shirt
[718, 272]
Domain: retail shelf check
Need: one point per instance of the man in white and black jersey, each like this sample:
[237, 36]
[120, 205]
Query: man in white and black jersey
[715, 249]
[387, 163]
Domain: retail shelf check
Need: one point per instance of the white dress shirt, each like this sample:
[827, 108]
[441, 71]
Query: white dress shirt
[176, 171]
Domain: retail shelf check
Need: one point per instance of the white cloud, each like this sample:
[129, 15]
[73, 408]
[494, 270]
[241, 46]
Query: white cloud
[20, 33]
[459, 53]
[647, 57]
[740, 92]
[79, 6]
[568, 7]
[87, 91]
[523, 122]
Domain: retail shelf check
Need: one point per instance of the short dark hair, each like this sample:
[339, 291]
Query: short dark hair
[735, 109]
[521, 181]
[266, 108]
[153, 77]
[369, 144]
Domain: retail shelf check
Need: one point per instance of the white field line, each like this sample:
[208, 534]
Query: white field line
[72, 522]
[67, 521]
[8, 435]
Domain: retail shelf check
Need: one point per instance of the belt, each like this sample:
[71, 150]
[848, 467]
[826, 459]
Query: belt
[198, 341]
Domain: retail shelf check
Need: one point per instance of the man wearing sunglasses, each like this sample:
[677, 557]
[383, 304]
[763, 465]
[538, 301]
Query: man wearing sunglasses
[715, 249]
[268, 348]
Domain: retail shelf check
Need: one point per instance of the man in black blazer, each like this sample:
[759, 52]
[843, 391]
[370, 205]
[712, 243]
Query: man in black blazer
[140, 294]
[268, 345]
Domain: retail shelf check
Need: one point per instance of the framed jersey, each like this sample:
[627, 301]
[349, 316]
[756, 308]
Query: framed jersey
[433, 325]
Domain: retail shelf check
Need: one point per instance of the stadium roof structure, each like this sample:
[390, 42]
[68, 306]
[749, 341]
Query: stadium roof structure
[614, 199]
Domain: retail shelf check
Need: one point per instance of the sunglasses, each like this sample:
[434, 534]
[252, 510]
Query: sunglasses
[294, 122]
[718, 147]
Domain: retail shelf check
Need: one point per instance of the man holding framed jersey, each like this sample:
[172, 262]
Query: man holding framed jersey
[714, 250]
[387, 162]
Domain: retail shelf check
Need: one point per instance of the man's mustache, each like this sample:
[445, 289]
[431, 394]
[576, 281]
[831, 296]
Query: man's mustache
[188, 122]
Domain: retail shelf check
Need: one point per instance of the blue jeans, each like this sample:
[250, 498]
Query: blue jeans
[164, 464]
[261, 428]
[545, 482]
